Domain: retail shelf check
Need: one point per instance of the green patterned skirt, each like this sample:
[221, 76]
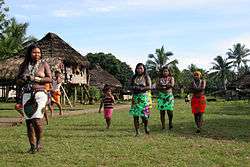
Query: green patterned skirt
[140, 105]
[165, 101]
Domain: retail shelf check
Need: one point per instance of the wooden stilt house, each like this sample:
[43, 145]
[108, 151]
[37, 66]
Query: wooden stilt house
[60, 56]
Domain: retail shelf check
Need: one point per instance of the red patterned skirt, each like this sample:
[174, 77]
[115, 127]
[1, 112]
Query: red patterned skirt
[198, 104]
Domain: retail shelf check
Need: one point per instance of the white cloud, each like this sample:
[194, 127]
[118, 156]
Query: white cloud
[167, 4]
[223, 45]
[201, 60]
[66, 13]
[22, 18]
[102, 9]
[100, 6]
[29, 6]
[184, 3]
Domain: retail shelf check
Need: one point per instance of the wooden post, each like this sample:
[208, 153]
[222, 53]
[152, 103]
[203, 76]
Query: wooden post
[81, 94]
[1, 89]
[86, 92]
[75, 100]
[66, 96]
[64, 99]
[4, 92]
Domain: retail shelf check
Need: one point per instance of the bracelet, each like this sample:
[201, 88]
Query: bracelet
[38, 79]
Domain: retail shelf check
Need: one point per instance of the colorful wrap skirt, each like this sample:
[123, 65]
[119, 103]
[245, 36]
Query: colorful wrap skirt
[34, 104]
[198, 104]
[165, 101]
[140, 105]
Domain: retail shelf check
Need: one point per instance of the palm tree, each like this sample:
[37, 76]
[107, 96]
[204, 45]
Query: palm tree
[238, 53]
[160, 60]
[14, 39]
[221, 68]
[4, 21]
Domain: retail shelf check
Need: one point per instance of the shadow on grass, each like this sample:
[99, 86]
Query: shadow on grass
[233, 110]
[218, 129]
[101, 134]
[6, 108]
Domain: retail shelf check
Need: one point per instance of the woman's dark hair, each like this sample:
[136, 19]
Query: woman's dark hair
[28, 58]
[165, 68]
[140, 64]
[144, 73]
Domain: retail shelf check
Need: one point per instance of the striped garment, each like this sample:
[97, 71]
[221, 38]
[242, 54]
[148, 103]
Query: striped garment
[108, 102]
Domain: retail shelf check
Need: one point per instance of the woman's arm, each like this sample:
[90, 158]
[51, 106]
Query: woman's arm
[171, 83]
[200, 89]
[148, 84]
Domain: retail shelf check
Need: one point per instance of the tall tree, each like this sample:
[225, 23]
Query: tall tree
[221, 70]
[238, 54]
[160, 59]
[3, 18]
[14, 39]
[120, 70]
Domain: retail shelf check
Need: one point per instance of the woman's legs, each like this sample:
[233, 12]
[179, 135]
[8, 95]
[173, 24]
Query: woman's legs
[170, 119]
[38, 126]
[145, 121]
[136, 125]
[198, 121]
[162, 115]
[31, 135]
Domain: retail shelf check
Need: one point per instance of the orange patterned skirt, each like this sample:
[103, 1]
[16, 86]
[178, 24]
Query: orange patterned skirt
[56, 96]
[198, 104]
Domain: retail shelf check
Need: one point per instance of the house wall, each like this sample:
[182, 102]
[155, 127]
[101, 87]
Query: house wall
[76, 75]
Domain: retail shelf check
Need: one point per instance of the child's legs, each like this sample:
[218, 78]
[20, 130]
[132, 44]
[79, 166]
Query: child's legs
[60, 107]
[108, 122]
[108, 115]
[51, 107]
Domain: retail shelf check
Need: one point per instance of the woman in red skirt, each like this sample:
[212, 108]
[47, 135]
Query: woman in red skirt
[198, 101]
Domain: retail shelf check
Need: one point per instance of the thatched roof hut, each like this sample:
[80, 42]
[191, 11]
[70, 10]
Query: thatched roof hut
[55, 51]
[239, 88]
[243, 82]
[100, 77]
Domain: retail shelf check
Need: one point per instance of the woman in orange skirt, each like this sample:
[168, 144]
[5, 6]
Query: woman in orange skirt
[198, 101]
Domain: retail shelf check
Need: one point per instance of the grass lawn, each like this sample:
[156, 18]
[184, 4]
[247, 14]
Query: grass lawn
[83, 140]
[7, 109]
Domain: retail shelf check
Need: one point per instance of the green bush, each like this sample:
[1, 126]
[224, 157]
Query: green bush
[94, 93]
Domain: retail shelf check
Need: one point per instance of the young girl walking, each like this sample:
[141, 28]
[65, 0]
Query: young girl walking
[107, 101]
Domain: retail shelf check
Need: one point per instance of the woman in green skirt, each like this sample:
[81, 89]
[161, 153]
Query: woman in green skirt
[140, 84]
[165, 98]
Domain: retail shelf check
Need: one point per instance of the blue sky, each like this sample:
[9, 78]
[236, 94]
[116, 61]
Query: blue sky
[196, 31]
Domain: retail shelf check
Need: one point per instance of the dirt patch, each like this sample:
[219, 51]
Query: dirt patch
[6, 122]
